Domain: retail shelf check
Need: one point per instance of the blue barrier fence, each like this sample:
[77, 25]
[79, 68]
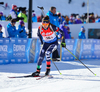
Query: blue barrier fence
[27, 50]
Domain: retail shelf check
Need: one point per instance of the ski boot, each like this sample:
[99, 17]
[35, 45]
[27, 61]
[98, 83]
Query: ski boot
[35, 74]
[47, 72]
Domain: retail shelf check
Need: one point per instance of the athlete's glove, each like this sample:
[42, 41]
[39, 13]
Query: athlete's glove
[63, 44]
[58, 35]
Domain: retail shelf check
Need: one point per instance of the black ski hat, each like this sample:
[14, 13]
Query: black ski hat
[45, 19]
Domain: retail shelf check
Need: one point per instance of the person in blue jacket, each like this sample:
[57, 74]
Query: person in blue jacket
[11, 28]
[82, 33]
[60, 19]
[34, 18]
[1, 33]
[2, 17]
[21, 29]
[53, 16]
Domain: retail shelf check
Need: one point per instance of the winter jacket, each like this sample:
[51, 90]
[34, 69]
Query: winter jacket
[53, 18]
[12, 31]
[23, 15]
[69, 22]
[22, 32]
[13, 14]
[1, 34]
[2, 18]
[66, 33]
[98, 20]
[61, 20]
[78, 21]
[81, 35]
[34, 19]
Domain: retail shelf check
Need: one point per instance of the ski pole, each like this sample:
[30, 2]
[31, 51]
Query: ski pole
[56, 67]
[80, 61]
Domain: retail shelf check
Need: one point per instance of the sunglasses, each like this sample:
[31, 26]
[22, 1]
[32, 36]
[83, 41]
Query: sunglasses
[45, 24]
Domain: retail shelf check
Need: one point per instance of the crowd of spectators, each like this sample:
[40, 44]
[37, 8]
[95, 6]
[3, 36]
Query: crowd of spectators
[19, 13]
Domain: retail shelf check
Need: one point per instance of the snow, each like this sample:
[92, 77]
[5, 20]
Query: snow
[62, 5]
[75, 77]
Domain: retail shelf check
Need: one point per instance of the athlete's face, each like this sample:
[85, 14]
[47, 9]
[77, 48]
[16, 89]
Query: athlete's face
[45, 25]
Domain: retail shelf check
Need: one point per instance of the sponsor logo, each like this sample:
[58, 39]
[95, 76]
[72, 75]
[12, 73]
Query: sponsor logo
[18, 47]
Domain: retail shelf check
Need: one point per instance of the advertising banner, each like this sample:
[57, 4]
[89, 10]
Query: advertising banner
[78, 48]
[4, 51]
[96, 49]
[33, 51]
[19, 52]
[86, 50]
[70, 45]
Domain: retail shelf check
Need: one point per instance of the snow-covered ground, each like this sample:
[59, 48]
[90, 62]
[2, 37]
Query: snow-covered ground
[75, 77]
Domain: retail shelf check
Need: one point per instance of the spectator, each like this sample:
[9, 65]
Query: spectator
[53, 16]
[34, 18]
[23, 14]
[66, 18]
[60, 19]
[77, 20]
[12, 29]
[91, 18]
[1, 16]
[97, 20]
[66, 30]
[39, 19]
[1, 33]
[70, 21]
[82, 33]
[13, 12]
[21, 29]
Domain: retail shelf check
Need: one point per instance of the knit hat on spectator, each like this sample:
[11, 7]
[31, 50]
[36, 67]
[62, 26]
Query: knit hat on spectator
[82, 28]
[34, 14]
[21, 22]
[0, 26]
[58, 13]
[1, 13]
[14, 7]
[78, 17]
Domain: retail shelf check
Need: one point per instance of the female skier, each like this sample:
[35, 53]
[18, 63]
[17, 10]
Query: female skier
[47, 34]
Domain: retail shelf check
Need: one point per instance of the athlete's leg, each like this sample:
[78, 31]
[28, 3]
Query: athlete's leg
[50, 49]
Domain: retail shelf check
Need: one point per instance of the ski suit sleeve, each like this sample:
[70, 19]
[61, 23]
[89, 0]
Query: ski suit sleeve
[39, 35]
[56, 29]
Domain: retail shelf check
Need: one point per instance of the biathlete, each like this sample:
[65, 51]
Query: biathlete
[47, 34]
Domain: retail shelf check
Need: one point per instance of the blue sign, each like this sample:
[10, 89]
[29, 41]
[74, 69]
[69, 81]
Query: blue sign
[4, 51]
[86, 49]
[71, 46]
[33, 51]
[78, 48]
[20, 50]
[96, 49]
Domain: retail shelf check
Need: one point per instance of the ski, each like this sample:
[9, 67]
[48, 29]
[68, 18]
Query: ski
[49, 77]
[26, 76]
